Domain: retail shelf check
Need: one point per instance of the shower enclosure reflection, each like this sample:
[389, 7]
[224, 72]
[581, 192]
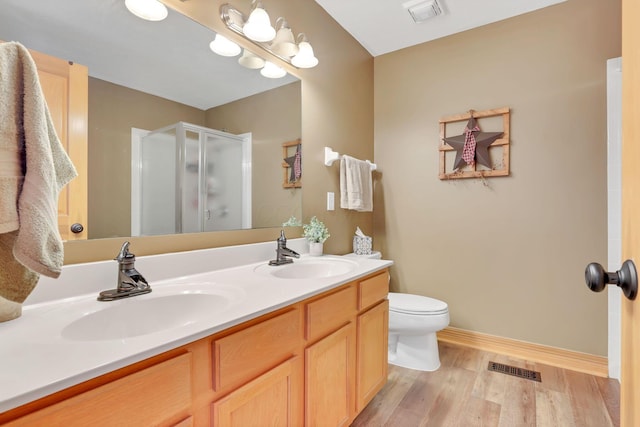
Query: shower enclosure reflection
[188, 178]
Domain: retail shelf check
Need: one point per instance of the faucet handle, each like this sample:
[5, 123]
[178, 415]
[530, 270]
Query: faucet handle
[124, 253]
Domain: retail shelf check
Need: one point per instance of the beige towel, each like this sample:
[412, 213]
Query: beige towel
[26, 128]
[356, 186]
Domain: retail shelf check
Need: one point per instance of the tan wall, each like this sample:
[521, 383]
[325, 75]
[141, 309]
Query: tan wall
[337, 110]
[113, 111]
[272, 117]
[508, 257]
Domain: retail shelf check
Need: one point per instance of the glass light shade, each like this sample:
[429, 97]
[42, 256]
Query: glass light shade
[151, 10]
[284, 44]
[305, 57]
[223, 46]
[272, 71]
[251, 60]
[258, 27]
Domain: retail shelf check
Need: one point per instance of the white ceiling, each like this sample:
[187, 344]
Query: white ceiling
[384, 26]
[171, 58]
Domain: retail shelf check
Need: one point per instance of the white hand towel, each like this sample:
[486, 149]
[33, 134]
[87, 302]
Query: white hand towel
[356, 186]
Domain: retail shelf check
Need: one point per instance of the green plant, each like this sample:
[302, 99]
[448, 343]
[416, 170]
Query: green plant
[292, 222]
[315, 231]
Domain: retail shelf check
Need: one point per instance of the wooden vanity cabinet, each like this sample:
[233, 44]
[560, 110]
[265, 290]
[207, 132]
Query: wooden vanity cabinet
[261, 366]
[316, 362]
[346, 353]
[372, 338]
[157, 395]
[330, 358]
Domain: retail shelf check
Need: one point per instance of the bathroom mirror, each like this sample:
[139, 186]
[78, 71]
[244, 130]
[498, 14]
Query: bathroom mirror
[146, 76]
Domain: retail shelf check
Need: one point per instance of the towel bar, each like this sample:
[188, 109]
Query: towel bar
[331, 156]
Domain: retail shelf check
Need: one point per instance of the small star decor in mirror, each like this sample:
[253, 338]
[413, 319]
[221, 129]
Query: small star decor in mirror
[471, 152]
[292, 164]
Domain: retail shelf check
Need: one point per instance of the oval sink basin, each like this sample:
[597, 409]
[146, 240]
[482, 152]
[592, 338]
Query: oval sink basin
[309, 268]
[138, 316]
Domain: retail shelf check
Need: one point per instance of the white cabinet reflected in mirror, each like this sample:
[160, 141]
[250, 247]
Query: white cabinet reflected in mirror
[154, 75]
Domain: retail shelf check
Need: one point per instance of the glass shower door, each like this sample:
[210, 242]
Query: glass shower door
[223, 183]
[158, 184]
[188, 178]
[191, 215]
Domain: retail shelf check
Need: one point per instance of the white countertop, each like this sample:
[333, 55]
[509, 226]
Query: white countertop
[37, 358]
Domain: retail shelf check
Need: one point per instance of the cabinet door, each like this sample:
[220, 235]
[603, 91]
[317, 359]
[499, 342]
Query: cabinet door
[272, 399]
[65, 87]
[330, 382]
[373, 330]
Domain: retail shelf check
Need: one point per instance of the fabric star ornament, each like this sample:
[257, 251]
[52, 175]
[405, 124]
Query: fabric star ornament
[295, 165]
[472, 145]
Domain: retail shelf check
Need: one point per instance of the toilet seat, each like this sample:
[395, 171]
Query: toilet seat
[416, 304]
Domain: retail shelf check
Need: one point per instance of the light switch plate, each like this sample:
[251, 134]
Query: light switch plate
[331, 201]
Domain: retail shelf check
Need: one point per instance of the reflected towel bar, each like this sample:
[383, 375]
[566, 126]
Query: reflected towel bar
[331, 156]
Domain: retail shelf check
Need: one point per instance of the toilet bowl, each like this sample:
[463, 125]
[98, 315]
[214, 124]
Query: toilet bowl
[413, 323]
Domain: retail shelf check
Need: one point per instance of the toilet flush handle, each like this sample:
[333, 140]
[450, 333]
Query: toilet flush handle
[626, 278]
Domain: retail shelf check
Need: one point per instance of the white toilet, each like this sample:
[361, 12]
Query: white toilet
[413, 323]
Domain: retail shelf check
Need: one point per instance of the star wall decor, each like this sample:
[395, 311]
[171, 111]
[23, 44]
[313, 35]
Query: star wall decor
[295, 164]
[292, 164]
[472, 145]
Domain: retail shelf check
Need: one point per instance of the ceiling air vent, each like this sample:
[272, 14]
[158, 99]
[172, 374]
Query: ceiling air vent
[421, 10]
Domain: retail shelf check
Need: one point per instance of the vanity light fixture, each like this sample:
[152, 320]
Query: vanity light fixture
[258, 27]
[224, 47]
[150, 10]
[251, 60]
[283, 46]
[272, 71]
[305, 57]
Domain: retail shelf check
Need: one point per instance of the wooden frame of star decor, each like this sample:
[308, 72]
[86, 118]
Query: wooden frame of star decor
[287, 152]
[500, 168]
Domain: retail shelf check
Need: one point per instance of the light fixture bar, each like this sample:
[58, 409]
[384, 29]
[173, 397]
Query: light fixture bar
[235, 20]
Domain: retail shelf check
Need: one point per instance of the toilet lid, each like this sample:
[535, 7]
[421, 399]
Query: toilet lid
[416, 304]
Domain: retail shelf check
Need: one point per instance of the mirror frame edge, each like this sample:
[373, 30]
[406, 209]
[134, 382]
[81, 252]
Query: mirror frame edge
[81, 251]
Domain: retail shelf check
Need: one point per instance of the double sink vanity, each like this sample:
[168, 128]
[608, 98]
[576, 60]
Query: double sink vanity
[223, 339]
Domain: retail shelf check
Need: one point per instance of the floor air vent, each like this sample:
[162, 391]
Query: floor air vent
[516, 372]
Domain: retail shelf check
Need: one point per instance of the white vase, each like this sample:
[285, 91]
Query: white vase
[315, 249]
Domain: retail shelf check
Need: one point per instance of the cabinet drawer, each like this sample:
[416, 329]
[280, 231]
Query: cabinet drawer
[372, 290]
[329, 313]
[244, 355]
[158, 394]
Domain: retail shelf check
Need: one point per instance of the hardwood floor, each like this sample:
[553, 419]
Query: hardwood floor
[464, 393]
